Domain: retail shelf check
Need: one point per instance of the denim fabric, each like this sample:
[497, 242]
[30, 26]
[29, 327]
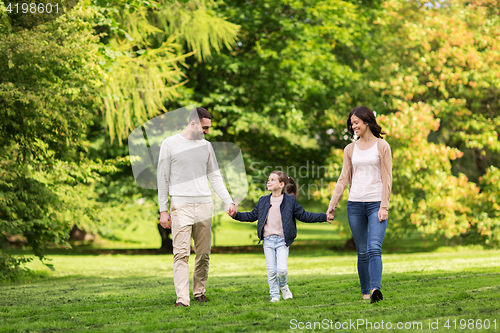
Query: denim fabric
[368, 233]
[277, 263]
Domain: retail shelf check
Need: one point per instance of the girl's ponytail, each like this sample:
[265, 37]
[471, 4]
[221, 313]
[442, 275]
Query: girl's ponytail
[291, 187]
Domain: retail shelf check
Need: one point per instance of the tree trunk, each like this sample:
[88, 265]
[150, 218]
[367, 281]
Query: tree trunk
[77, 234]
[350, 244]
[166, 241]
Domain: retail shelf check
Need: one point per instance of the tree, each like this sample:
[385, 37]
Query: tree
[433, 74]
[270, 94]
[142, 50]
[48, 79]
[144, 45]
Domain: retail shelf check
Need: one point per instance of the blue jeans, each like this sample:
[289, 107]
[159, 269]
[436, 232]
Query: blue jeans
[277, 263]
[368, 233]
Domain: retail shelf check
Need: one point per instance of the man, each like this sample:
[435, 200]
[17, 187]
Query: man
[187, 161]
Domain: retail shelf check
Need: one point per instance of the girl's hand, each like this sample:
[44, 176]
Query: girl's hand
[383, 214]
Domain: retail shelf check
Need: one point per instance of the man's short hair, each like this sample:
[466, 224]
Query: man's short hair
[198, 114]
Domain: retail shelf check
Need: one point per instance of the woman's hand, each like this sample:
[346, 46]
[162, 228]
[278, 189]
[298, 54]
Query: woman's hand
[383, 214]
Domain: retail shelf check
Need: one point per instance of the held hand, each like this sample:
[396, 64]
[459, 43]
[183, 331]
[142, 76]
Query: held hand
[231, 210]
[165, 220]
[383, 214]
[330, 215]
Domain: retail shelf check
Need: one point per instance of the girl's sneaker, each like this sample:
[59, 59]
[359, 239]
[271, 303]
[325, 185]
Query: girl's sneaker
[275, 299]
[286, 293]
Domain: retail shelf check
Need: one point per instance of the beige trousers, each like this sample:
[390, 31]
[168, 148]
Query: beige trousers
[188, 220]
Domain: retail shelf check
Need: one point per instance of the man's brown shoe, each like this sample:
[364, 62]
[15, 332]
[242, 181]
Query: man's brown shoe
[201, 299]
[180, 304]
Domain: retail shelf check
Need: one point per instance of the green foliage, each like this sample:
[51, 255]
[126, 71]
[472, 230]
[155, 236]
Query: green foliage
[448, 59]
[197, 23]
[426, 195]
[5, 26]
[433, 74]
[279, 78]
[49, 77]
[128, 213]
[488, 209]
[10, 267]
[271, 92]
[447, 62]
[45, 90]
[216, 224]
[142, 52]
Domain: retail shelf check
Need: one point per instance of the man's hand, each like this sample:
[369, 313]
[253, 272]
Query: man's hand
[383, 214]
[165, 220]
[330, 214]
[231, 210]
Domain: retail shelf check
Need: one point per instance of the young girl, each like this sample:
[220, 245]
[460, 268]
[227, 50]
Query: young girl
[367, 168]
[276, 213]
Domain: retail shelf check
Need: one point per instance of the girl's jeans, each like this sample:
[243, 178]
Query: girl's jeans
[277, 263]
[368, 233]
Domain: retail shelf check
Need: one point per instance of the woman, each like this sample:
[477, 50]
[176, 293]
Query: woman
[367, 167]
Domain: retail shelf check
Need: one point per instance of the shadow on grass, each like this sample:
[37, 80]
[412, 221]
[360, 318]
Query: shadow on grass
[325, 246]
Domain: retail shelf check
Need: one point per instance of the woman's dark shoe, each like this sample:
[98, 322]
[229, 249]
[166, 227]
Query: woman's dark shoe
[376, 296]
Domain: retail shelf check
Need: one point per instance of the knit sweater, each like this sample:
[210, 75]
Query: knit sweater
[289, 209]
[184, 168]
[273, 226]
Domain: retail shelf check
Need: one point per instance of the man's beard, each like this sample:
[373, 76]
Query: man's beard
[199, 135]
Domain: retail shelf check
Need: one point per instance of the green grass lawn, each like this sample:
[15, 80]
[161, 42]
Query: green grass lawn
[425, 284]
[119, 293]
